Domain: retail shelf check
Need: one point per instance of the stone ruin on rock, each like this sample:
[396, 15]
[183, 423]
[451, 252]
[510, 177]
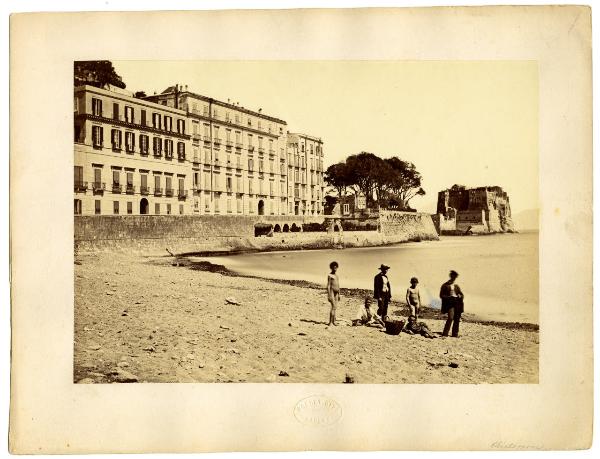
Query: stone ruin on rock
[462, 210]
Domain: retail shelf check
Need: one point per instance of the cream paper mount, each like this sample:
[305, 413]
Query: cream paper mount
[50, 414]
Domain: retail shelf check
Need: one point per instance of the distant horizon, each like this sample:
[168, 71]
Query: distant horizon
[410, 109]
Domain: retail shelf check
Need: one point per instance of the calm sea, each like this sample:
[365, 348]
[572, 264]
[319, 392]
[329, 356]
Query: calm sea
[499, 274]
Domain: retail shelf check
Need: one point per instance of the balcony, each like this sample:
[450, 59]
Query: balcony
[238, 166]
[158, 191]
[217, 141]
[80, 187]
[196, 136]
[116, 188]
[169, 192]
[250, 148]
[238, 145]
[130, 189]
[229, 143]
[206, 138]
[261, 149]
[144, 190]
[182, 194]
[271, 152]
[195, 160]
[98, 187]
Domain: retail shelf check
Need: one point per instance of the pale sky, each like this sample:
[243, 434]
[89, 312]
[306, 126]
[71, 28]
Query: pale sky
[465, 122]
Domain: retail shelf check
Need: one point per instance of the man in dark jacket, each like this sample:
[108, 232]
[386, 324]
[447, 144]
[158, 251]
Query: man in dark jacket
[452, 304]
[382, 291]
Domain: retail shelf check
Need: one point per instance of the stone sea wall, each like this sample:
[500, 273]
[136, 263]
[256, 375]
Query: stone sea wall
[154, 234]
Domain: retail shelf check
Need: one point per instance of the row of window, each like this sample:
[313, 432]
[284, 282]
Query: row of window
[159, 145]
[98, 184]
[237, 117]
[216, 204]
[116, 207]
[162, 122]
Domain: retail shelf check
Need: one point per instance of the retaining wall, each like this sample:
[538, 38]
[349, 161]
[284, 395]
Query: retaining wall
[153, 234]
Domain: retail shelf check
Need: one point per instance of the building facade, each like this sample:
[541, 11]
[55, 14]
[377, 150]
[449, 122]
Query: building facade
[305, 174]
[130, 155]
[183, 153]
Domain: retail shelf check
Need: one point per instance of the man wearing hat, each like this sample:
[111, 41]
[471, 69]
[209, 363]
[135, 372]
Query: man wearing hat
[452, 304]
[382, 291]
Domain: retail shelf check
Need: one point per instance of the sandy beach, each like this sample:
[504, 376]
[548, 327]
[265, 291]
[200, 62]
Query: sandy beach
[147, 319]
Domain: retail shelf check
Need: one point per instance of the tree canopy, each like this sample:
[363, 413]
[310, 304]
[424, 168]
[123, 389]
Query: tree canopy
[97, 73]
[390, 182]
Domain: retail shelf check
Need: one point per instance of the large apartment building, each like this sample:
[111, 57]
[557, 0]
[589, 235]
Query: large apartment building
[234, 160]
[130, 155]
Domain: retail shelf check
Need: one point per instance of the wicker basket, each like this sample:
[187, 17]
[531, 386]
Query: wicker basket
[394, 327]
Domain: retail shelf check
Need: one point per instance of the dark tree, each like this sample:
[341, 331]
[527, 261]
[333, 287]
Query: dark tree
[97, 73]
[365, 170]
[339, 177]
[406, 180]
[139, 94]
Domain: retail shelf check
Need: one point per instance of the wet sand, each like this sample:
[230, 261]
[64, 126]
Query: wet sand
[142, 319]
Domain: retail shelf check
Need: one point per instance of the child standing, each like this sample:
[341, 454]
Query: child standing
[413, 297]
[333, 291]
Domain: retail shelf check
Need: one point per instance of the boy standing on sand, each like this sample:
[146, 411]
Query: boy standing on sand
[333, 291]
[413, 297]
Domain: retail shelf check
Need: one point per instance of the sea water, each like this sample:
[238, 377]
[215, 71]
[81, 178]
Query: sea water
[498, 274]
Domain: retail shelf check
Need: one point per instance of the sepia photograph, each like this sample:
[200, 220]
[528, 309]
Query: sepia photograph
[301, 230]
[306, 221]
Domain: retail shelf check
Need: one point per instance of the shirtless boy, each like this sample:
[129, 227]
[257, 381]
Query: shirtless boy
[333, 291]
[413, 297]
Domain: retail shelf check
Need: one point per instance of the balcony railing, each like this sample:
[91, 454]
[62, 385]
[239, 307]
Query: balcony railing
[271, 151]
[196, 136]
[169, 192]
[217, 141]
[182, 194]
[206, 138]
[130, 189]
[98, 187]
[250, 148]
[116, 188]
[80, 186]
[229, 143]
[158, 191]
[238, 145]
[144, 190]
[261, 149]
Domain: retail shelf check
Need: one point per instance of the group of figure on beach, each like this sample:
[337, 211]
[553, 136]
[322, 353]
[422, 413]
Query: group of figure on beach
[450, 293]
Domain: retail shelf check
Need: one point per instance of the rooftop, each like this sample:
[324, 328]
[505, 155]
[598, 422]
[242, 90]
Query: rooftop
[182, 90]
